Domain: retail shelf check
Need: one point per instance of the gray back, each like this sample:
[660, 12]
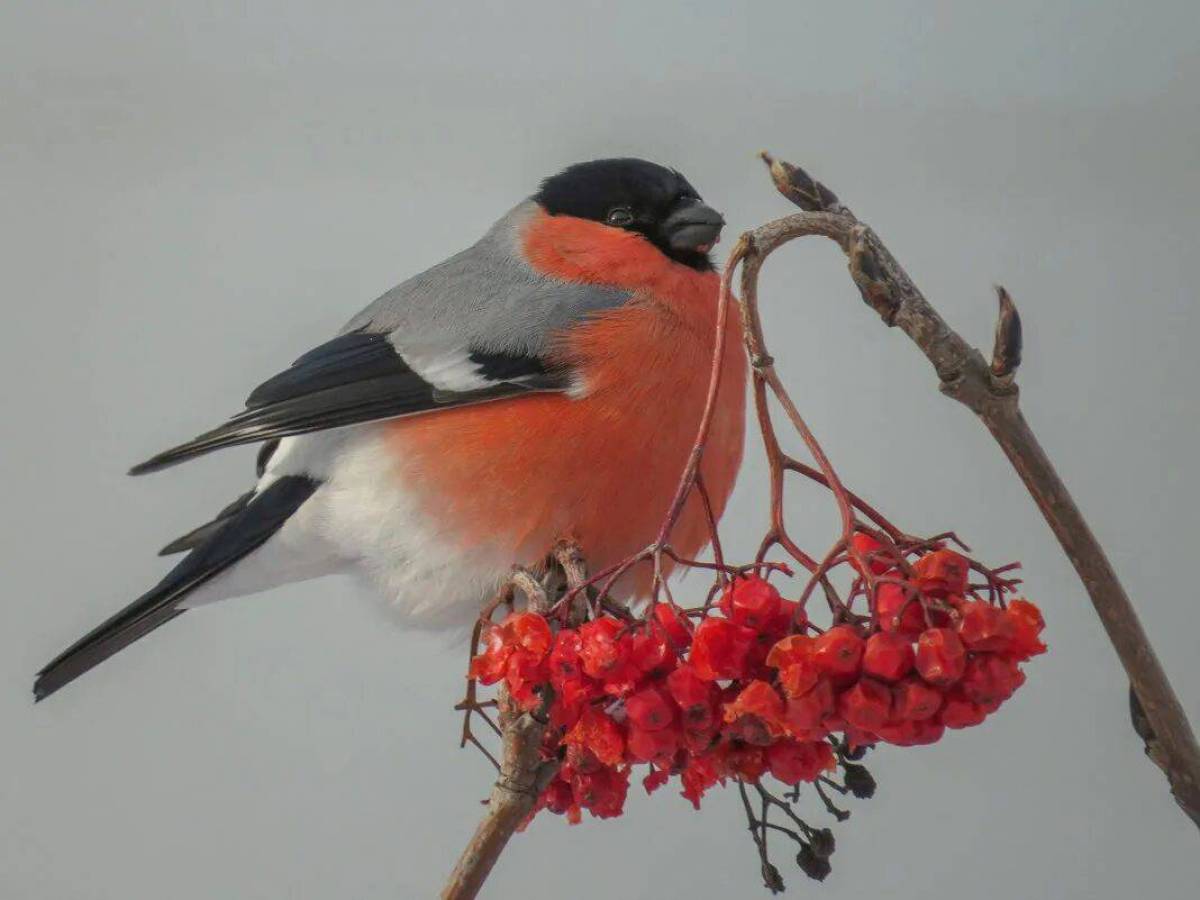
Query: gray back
[486, 297]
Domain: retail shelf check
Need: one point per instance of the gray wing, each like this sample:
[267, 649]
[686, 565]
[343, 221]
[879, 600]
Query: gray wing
[475, 328]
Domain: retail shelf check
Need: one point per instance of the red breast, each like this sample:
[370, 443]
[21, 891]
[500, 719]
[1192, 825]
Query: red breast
[601, 469]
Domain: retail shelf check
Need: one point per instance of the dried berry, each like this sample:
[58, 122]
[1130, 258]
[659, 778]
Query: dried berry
[859, 781]
[814, 866]
[822, 843]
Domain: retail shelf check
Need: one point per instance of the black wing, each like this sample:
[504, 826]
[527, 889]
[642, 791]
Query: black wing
[360, 377]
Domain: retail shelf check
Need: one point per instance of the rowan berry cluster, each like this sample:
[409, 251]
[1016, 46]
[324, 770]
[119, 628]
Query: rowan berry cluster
[748, 686]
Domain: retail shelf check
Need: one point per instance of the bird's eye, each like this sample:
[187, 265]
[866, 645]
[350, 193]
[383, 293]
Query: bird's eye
[619, 216]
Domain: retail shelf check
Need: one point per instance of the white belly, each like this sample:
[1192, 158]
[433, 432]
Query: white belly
[363, 521]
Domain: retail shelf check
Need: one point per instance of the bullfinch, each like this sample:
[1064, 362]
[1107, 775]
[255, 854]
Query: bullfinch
[544, 384]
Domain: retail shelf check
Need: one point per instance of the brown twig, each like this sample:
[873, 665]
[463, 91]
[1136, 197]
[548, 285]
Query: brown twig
[987, 389]
[524, 774]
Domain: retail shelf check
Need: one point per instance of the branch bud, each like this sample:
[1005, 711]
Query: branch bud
[869, 276]
[799, 187]
[1006, 353]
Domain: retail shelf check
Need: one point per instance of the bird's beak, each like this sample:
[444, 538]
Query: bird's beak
[693, 227]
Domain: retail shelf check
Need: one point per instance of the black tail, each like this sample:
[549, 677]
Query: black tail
[241, 533]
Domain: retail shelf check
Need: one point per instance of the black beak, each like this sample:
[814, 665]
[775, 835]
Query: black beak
[693, 227]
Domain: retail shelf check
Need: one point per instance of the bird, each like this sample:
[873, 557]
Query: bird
[544, 384]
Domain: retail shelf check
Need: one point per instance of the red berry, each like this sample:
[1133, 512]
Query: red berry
[753, 602]
[941, 657]
[674, 626]
[649, 709]
[795, 761]
[720, 649]
[756, 713]
[702, 771]
[798, 679]
[838, 651]
[599, 734]
[871, 550]
[695, 697]
[891, 601]
[531, 633]
[984, 627]
[746, 762]
[650, 651]
[888, 656]
[789, 618]
[687, 688]
[490, 665]
[959, 712]
[602, 792]
[915, 701]
[656, 779]
[557, 797]
[866, 705]
[792, 649]
[909, 733]
[603, 649]
[564, 657]
[582, 760]
[701, 741]
[810, 709]
[570, 699]
[1027, 625]
[990, 680]
[524, 674]
[941, 572]
[658, 747]
[929, 731]
[757, 698]
[856, 738]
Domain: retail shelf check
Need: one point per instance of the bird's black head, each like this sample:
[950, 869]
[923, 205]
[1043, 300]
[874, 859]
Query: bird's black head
[639, 196]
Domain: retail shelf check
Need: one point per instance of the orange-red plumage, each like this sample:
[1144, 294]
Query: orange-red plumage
[602, 468]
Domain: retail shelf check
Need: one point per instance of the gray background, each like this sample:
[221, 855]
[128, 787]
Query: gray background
[193, 194]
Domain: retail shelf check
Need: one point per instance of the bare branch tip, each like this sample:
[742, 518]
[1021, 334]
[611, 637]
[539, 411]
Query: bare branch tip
[798, 186]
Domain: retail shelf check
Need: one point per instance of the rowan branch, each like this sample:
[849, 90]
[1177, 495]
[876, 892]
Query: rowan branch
[988, 390]
[523, 773]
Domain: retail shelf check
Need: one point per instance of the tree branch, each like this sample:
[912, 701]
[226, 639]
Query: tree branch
[523, 772]
[989, 392]
[523, 776]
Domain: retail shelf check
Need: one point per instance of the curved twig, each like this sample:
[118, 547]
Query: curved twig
[989, 392]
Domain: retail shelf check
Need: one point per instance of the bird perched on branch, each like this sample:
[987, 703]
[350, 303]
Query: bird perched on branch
[543, 384]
